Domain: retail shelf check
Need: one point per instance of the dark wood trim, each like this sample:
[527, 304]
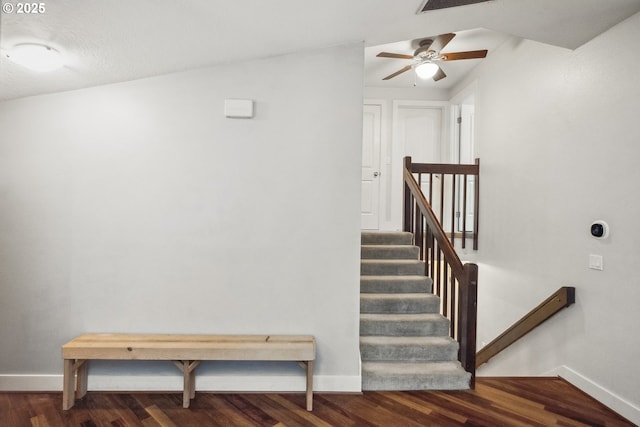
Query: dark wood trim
[562, 298]
[445, 168]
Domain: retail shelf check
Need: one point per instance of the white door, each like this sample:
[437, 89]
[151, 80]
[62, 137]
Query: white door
[370, 203]
[420, 133]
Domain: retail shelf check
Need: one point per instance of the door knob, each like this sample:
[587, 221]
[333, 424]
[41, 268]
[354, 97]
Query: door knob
[375, 174]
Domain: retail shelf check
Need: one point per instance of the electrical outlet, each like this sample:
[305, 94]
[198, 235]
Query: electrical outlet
[596, 262]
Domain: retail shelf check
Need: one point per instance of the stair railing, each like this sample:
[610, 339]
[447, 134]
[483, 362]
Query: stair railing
[453, 191]
[455, 283]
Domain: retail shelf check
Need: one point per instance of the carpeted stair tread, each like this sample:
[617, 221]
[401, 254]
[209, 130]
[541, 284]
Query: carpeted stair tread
[389, 252]
[420, 324]
[414, 376]
[408, 349]
[386, 238]
[395, 284]
[392, 267]
[399, 303]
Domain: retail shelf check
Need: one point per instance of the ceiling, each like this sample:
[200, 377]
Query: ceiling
[120, 40]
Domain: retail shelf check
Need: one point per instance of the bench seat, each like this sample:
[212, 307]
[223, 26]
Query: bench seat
[185, 351]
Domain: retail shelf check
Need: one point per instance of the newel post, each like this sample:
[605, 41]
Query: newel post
[468, 316]
[407, 210]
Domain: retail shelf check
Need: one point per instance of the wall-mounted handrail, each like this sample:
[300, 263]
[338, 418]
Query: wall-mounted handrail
[562, 298]
[454, 282]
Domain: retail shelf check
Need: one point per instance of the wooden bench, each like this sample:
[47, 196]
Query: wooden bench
[185, 351]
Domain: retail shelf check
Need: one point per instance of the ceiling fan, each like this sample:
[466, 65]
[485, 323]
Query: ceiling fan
[427, 55]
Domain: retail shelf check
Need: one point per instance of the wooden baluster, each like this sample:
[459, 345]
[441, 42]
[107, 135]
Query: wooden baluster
[432, 266]
[464, 212]
[476, 208]
[418, 224]
[452, 305]
[453, 208]
[437, 273]
[445, 290]
[441, 217]
[430, 199]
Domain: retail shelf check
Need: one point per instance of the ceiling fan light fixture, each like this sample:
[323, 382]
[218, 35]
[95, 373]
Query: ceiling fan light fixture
[36, 57]
[426, 70]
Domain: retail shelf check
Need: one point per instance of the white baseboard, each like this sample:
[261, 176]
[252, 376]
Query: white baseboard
[601, 394]
[30, 382]
[222, 383]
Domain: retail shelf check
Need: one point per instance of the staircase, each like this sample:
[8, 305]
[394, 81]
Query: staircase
[404, 341]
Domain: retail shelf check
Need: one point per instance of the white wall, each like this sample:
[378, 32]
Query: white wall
[558, 139]
[137, 207]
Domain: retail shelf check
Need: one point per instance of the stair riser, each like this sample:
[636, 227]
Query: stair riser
[399, 306]
[399, 238]
[409, 353]
[373, 268]
[389, 252]
[406, 329]
[415, 382]
[371, 286]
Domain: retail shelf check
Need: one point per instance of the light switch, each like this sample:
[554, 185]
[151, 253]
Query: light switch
[596, 262]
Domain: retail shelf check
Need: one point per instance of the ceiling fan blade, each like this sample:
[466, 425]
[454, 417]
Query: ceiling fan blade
[441, 41]
[439, 75]
[400, 71]
[472, 54]
[393, 55]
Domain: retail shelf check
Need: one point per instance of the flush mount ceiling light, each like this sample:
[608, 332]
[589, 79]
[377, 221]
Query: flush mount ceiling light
[37, 57]
[426, 69]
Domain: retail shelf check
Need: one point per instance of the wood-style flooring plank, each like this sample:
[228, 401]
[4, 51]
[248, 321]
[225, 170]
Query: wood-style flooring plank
[281, 407]
[495, 402]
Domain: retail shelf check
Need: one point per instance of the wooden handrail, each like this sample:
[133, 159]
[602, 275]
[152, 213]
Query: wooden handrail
[562, 298]
[456, 283]
[446, 168]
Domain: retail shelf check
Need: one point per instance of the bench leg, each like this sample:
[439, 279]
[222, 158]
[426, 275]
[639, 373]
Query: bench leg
[74, 385]
[189, 380]
[309, 364]
[68, 385]
[82, 369]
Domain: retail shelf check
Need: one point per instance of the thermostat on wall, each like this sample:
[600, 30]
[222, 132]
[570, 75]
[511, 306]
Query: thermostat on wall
[238, 108]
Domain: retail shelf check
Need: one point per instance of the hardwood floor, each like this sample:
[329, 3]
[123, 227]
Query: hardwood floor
[495, 402]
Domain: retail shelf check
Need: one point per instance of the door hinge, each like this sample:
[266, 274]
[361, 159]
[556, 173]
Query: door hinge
[459, 120]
